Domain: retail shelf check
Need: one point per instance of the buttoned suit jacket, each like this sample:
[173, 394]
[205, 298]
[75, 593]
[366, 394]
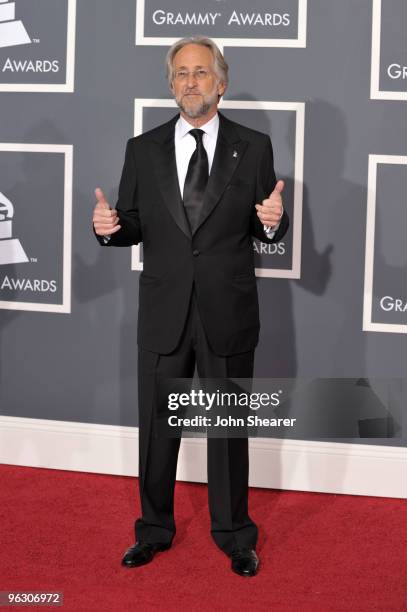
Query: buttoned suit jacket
[217, 258]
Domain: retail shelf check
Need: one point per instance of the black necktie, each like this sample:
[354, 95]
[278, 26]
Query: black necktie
[196, 180]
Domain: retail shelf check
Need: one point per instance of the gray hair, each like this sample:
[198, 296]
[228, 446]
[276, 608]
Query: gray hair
[220, 65]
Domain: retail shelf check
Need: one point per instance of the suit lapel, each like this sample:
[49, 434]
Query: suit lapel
[228, 153]
[229, 150]
[165, 168]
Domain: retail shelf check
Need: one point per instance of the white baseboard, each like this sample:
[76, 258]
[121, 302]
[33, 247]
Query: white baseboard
[327, 467]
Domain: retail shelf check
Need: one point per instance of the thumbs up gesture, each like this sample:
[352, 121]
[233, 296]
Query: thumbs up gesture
[105, 220]
[270, 210]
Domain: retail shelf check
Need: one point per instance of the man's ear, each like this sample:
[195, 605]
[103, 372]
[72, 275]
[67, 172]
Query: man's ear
[221, 88]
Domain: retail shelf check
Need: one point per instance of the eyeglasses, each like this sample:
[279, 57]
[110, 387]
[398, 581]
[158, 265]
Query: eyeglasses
[200, 74]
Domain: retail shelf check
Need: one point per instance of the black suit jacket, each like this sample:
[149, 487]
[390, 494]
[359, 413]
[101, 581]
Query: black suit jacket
[218, 258]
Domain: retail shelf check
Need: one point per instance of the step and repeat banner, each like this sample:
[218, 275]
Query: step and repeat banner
[326, 80]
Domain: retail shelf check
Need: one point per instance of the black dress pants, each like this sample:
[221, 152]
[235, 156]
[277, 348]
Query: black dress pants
[228, 459]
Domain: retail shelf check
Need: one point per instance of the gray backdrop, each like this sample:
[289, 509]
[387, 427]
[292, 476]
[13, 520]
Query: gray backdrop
[81, 366]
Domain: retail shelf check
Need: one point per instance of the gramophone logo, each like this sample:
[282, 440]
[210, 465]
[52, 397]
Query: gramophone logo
[11, 251]
[37, 45]
[12, 31]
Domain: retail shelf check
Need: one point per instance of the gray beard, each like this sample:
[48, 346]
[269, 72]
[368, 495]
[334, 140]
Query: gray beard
[201, 110]
[198, 112]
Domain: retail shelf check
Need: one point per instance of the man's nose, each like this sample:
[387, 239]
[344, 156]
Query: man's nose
[191, 79]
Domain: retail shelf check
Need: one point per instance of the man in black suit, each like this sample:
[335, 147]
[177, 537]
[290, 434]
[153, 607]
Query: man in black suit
[194, 191]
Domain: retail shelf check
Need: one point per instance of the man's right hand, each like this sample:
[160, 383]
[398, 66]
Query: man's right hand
[105, 219]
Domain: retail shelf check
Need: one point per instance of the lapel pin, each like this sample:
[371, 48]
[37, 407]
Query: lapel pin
[234, 153]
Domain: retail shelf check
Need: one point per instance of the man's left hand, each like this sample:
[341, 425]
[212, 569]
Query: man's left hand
[270, 210]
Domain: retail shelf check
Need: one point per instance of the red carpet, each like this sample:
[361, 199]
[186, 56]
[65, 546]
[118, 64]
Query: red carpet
[66, 531]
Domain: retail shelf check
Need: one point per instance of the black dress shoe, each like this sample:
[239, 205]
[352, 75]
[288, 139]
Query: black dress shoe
[245, 561]
[142, 553]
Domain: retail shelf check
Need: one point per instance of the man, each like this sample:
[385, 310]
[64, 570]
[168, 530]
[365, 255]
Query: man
[194, 191]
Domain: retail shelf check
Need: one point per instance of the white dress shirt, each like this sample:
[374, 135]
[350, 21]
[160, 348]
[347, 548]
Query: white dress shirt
[185, 145]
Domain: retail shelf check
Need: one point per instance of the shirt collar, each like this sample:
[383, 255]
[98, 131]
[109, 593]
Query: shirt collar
[210, 128]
